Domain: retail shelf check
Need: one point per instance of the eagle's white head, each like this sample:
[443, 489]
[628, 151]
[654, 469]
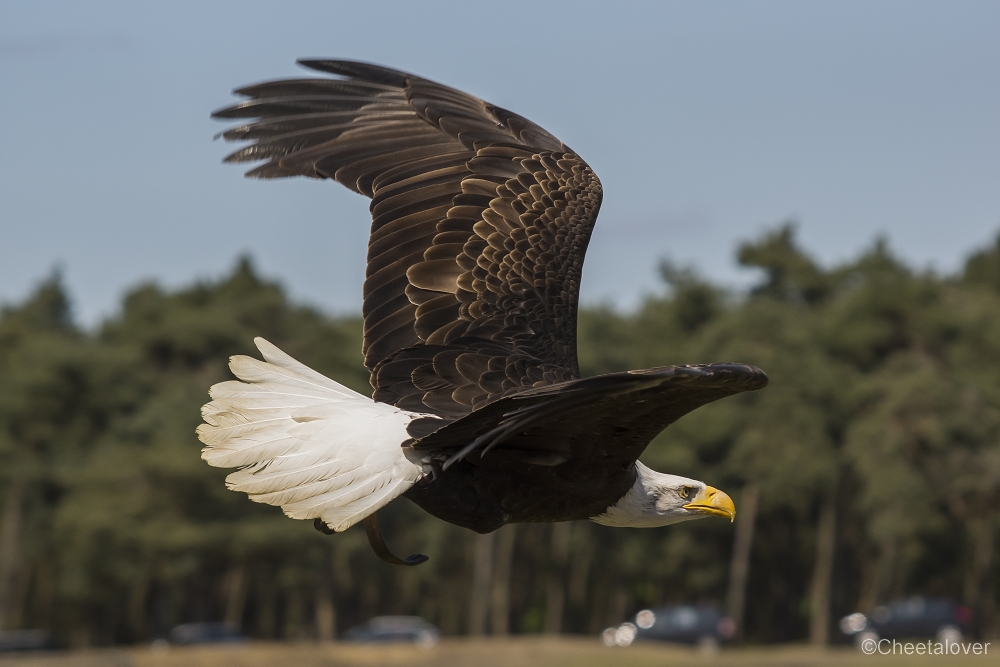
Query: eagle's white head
[658, 499]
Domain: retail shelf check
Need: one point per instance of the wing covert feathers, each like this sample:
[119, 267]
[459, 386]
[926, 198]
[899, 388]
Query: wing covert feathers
[480, 223]
[304, 442]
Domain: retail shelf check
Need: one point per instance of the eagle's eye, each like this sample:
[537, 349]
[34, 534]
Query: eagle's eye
[684, 492]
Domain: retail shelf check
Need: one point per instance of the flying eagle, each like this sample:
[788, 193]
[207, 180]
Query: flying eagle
[480, 221]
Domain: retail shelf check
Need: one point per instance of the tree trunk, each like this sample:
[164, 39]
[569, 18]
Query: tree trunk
[266, 599]
[500, 614]
[45, 593]
[235, 586]
[482, 580]
[977, 578]
[555, 587]
[10, 550]
[599, 601]
[877, 579]
[580, 564]
[617, 604]
[138, 593]
[739, 566]
[822, 580]
[325, 612]
[294, 615]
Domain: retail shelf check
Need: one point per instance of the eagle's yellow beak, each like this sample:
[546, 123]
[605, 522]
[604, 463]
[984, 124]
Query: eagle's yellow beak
[714, 502]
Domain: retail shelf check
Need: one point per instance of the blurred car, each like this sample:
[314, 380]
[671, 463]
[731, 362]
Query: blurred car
[25, 640]
[702, 625]
[395, 629]
[206, 633]
[915, 617]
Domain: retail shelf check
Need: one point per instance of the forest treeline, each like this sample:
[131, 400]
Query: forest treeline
[868, 469]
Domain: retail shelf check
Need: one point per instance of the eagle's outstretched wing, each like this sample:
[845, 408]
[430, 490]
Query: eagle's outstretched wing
[480, 222]
[626, 410]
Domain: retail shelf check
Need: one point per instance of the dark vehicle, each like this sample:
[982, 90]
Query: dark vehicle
[702, 625]
[395, 629]
[206, 633]
[25, 640]
[916, 617]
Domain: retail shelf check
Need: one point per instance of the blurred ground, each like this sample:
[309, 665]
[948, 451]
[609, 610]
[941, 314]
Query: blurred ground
[550, 652]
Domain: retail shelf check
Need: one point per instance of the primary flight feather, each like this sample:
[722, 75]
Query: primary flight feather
[480, 223]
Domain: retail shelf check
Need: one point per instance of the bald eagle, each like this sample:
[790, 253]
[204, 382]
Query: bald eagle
[480, 222]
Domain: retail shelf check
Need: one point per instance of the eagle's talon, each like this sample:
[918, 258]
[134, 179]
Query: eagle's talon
[380, 548]
[321, 526]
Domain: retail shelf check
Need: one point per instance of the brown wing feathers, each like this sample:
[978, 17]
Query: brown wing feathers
[480, 221]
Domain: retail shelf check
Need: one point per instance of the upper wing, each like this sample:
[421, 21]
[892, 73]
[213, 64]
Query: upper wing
[480, 222]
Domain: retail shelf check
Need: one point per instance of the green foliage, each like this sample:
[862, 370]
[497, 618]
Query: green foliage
[790, 274]
[884, 395]
[983, 268]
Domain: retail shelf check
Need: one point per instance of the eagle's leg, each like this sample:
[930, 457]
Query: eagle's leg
[381, 550]
[375, 539]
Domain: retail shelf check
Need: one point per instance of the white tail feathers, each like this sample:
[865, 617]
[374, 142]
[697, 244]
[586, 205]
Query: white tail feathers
[305, 442]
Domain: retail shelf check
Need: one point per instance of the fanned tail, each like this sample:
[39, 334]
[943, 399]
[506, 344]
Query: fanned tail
[304, 442]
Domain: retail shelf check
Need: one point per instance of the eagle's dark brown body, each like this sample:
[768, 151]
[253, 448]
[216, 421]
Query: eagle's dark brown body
[576, 459]
[485, 497]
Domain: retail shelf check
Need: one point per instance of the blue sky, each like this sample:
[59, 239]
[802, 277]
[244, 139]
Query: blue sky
[707, 123]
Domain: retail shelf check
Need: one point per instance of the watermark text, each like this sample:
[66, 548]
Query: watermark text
[873, 646]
